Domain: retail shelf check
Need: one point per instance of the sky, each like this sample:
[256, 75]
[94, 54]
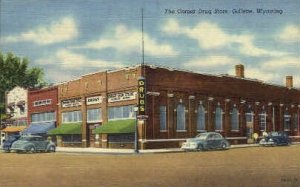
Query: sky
[70, 38]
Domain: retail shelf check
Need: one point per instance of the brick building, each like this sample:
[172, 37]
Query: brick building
[42, 110]
[97, 110]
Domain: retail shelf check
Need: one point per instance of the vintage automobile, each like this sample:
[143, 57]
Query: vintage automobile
[10, 140]
[275, 138]
[33, 143]
[205, 141]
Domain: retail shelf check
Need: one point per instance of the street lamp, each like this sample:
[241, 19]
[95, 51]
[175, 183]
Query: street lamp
[136, 141]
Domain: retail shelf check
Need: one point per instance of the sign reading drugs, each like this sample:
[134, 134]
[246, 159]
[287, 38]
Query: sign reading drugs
[142, 96]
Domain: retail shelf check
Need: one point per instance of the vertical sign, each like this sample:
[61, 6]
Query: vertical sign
[142, 96]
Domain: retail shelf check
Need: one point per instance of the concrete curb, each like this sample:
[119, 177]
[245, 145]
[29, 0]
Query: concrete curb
[131, 151]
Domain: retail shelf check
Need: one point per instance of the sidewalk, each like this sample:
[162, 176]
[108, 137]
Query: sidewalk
[131, 151]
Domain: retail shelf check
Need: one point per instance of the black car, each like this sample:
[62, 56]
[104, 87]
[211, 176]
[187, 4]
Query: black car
[7, 144]
[275, 138]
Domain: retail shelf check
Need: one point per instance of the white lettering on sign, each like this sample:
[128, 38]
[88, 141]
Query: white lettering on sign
[124, 96]
[71, 103]
[42, 102]
[93, 100]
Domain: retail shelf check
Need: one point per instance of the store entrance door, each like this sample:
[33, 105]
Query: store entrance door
[91, 135]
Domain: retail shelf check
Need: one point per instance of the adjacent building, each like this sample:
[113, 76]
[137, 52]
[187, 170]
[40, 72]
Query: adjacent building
[17, 109]
[42, 110]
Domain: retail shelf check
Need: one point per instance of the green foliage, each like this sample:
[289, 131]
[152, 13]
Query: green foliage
[15, 71]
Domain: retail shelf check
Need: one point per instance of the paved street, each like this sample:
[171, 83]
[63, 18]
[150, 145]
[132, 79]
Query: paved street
[253, 166]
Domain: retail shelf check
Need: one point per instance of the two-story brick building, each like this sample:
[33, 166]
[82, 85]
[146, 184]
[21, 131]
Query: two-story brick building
[42, 110]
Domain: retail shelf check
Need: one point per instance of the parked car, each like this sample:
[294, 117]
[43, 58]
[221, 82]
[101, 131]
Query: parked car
[33, 144]
[275, 138]
[10, 140]
[205, 141]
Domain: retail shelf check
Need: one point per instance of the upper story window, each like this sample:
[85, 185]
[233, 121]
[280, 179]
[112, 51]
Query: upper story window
[234, 119]
[73, 116]
[218, 118]
[94, 115]
[43, 117]
[180, 118]
[121, 112]
[201, 118]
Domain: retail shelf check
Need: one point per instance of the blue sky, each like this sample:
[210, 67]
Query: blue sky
[69, 38]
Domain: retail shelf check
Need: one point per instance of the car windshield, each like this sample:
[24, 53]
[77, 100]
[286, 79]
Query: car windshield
[274, 134]
[25, 138]
[202, 136]
[11, 138]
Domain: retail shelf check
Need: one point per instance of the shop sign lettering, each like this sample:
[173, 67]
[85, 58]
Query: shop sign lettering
[142, 96]
[123, 96]
[93, 100]
[71, 103]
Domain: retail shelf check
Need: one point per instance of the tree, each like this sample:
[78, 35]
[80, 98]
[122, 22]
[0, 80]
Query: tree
[14, 71]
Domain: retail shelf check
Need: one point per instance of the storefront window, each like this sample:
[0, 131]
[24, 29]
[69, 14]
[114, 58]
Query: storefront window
[201, 118]
[43, 117]
[287, 121]
[262, 121]
[180, 117]
[94, 115]
[234, 119]
[121, 112]
[296, 122]
[218, 119]
[74, 116]
[72, 138]
[162, 118]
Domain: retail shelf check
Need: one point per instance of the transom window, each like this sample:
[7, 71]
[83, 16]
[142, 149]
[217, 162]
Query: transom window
[181, 117]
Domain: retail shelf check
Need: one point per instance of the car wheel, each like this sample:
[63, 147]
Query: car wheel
[51, 149]
[200, 148]
[224, 146]
[31, 149]
[7, 150]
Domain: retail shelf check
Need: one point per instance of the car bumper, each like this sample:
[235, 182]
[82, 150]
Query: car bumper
[188, 146]
[267, 143]
[18, 149]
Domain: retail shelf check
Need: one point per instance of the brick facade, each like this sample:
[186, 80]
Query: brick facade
[171, 88]
[37, 101]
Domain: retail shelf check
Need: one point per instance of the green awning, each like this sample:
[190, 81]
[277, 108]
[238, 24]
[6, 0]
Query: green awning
[116, 127]
[66, 128]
